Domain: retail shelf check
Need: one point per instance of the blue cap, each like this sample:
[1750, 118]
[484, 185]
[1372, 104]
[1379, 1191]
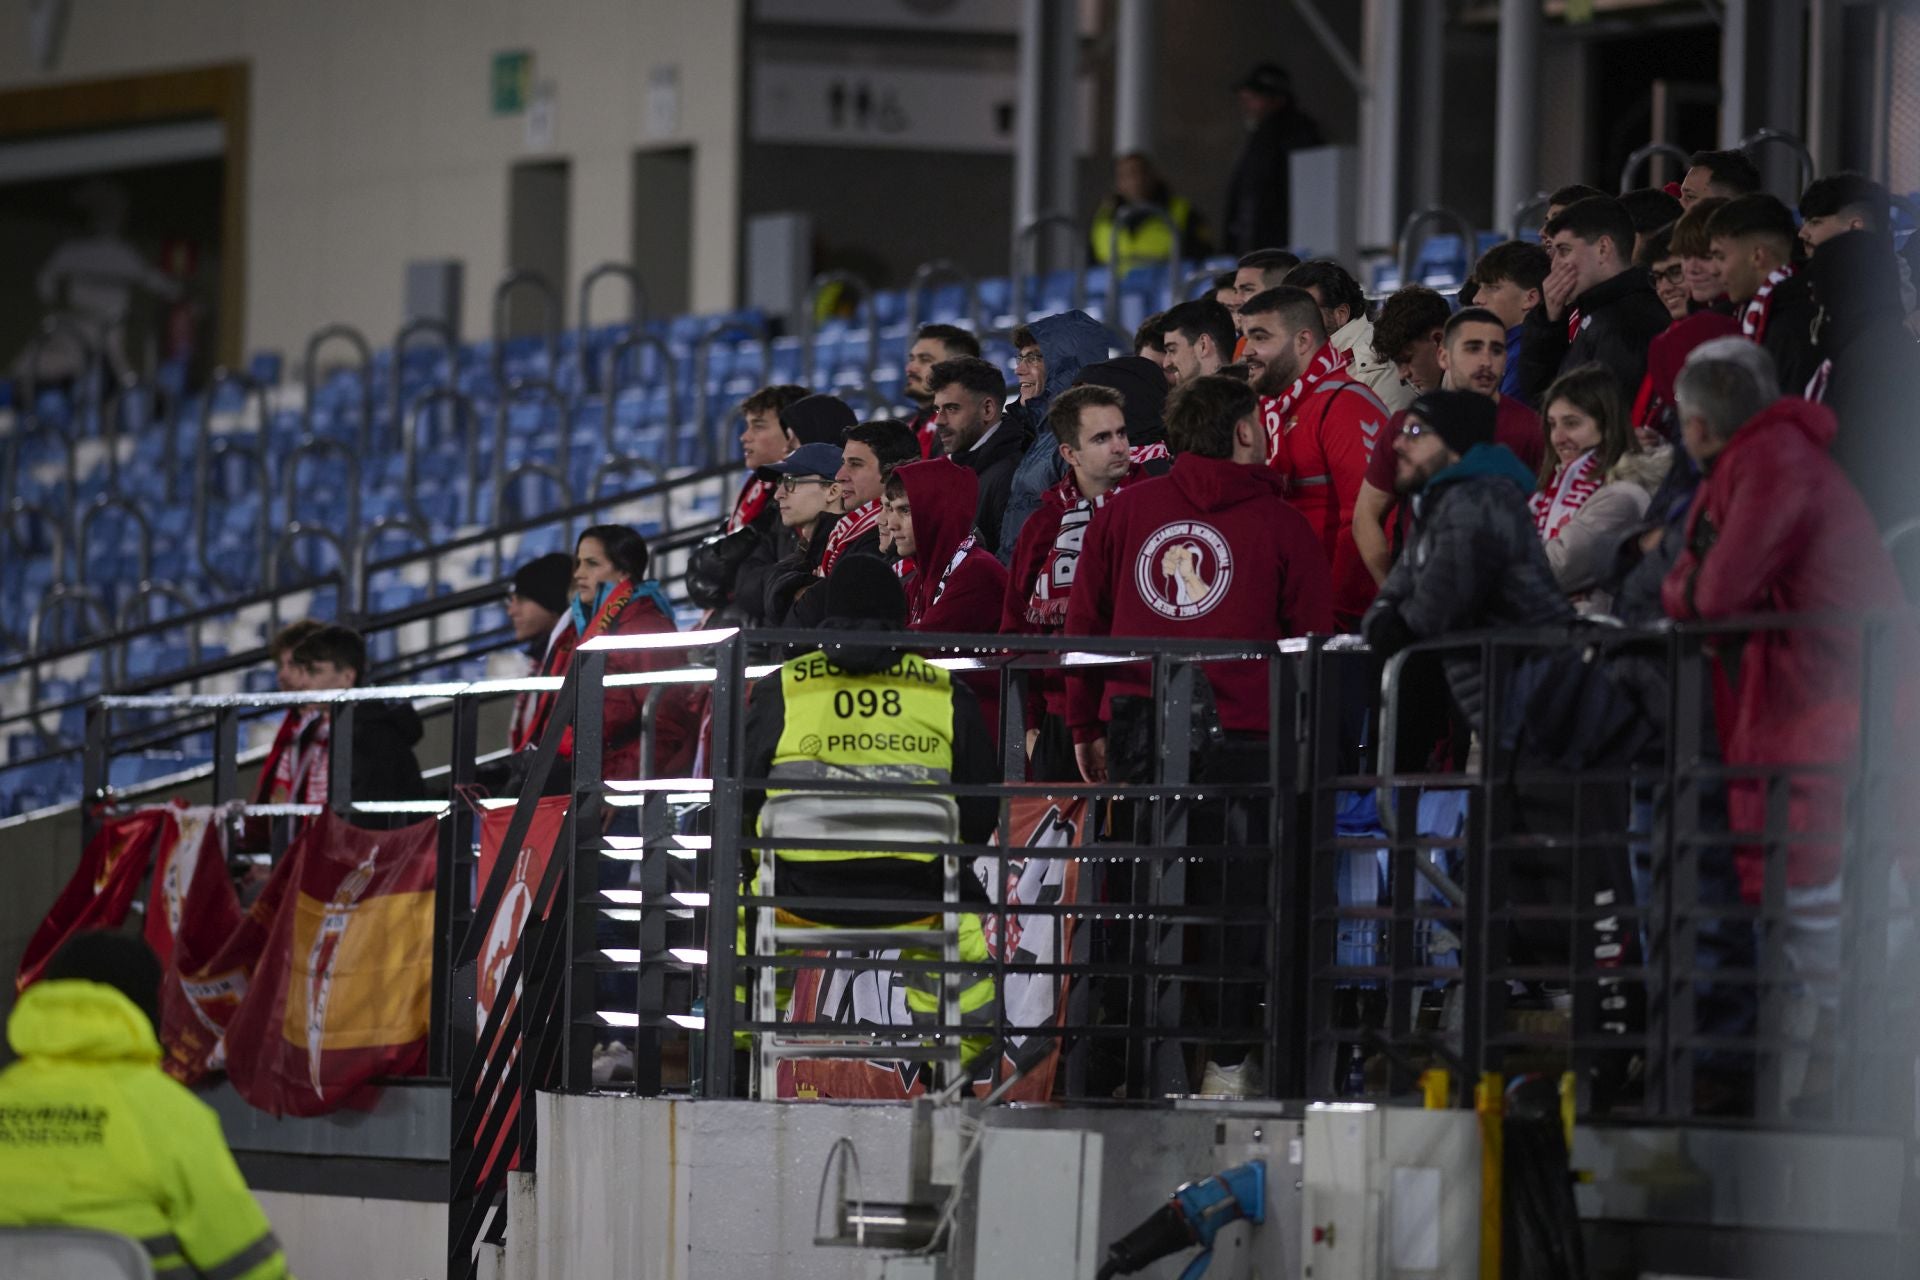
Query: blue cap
[822, 460]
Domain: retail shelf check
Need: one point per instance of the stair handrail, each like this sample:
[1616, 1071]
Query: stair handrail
[637, 307]
[550, 316]
[310, 376]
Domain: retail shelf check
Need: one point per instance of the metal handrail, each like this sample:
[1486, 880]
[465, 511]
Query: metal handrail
[112, 409]
[314, 448]
[611, 386]
[809, 355]
[443, 337]
[703, 395]
[1535, 203]
[27, 427]
[627, 466]
[64, 593]
[263, 486]
[942, 269]
[133, 611]
[52, 326]
[112, 502]
[505, 486]
[1642, 155]
[1144, 213]
[550, 318]
[1202, 276]
[636, 310]
[311, 377]
[57, 534]
[293, 535]
[1024, 261]
[1408, 254]
[546, 392]
[410, 441]
[1808, 169]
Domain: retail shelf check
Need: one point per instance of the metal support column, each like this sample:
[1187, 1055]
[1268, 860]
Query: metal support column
[1381, 23]
[1734, 30]
[1429, 125]
[1045, 154]
[1516, 118]
[1135, 23]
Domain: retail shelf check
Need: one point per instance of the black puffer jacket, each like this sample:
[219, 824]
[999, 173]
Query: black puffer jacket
[1619, 319]
[994, 461]
[1475, 562]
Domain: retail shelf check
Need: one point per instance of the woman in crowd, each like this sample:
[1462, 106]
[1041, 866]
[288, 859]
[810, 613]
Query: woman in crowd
[1595, 484]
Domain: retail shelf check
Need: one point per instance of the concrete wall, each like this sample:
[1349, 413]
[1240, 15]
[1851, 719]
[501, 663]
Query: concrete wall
[342, 1238]
[371, 140]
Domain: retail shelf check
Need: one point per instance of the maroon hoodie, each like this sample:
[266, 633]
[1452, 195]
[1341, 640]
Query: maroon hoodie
[1210, 551]
[957, 584]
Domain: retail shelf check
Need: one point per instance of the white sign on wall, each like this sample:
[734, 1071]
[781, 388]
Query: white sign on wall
[833, 104]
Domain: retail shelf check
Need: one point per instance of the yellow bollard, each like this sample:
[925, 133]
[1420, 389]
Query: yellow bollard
[1436, 1085]
[1489, 1103]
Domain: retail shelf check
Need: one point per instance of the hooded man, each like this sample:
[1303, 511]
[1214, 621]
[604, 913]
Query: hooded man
[953, 583]
[969, 398]
[1474, 558]
[1068, 342]
[1869, 374]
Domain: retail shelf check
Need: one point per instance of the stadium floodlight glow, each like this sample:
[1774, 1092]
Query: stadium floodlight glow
[658, 640]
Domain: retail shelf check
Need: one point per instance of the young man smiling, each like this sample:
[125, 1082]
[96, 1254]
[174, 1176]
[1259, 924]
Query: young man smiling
[1596, 306]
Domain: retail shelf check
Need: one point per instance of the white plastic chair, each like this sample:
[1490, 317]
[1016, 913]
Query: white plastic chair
[71, 1253]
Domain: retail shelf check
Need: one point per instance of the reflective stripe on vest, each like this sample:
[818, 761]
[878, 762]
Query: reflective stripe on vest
[894, 725]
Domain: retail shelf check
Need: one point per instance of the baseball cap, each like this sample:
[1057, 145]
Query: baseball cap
[1269, 78]
[818, 460]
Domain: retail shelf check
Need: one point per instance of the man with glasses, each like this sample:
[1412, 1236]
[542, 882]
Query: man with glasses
[809, 503]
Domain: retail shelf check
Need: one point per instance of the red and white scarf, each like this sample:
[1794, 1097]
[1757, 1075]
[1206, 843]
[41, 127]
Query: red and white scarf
[1145, 453]
[752, 501]
[863, 519]
[923, 601]
[1573, 324]
[1275, 410]
[1565, 494]
[1753, 317]
[1047, 603]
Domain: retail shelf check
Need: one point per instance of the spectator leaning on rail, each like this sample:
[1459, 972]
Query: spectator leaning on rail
[1064, 344]
[1088, 425]
[1350, 329]
[1595, 489]
[384, 732]
[1473, 357]
[1474, 558]
[968, 395]
[1321, 426]
[1596, 306]
[729, 573]
[932, 344]
[1776, 528]
[94, 1135]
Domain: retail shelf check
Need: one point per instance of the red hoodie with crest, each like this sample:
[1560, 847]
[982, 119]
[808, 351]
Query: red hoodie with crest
[957, 584]
[1210, 551]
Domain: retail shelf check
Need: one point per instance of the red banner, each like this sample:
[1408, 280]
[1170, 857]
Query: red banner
[103, 886]
[207, 943]
[516, 907]
[343, 990]
[1031, 1001]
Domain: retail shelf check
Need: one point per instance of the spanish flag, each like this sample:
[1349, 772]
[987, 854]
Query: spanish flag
[342, 993]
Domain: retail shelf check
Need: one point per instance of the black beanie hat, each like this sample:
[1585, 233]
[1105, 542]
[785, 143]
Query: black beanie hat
[1462, 419]
[546, 580]
[818, 419]
[865, 588]
[118, 960]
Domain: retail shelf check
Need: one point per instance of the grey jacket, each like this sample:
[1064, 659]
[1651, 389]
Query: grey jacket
[1475, 562]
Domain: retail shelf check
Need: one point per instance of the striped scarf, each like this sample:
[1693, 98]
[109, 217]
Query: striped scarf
[1275, 410]
[1753, 317]
[861, 520]
[752, 501]
[1565, 494]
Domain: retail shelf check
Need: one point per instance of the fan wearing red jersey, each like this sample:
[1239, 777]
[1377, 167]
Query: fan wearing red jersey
[1321, 426]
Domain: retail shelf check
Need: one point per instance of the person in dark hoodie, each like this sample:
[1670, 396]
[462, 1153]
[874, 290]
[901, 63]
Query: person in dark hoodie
[1068, 343]
[1596, 306]
[1869, 374]
[969, 396]
[1475, 558]
[953, 583]
[384, 733]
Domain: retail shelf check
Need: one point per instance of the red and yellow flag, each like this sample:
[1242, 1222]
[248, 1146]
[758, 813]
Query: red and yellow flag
[342, 993]
[207, 943]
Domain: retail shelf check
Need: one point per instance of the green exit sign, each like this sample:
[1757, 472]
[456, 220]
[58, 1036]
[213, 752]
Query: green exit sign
[512, 82]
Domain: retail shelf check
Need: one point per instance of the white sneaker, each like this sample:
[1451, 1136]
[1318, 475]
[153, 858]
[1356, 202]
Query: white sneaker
[1239, 1081]
[612, 1062]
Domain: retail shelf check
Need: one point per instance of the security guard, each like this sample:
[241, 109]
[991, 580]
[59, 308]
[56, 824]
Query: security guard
[93, 1134]
[864, 711]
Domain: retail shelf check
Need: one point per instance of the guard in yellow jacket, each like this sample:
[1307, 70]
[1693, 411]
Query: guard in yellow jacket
[93, 1133]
